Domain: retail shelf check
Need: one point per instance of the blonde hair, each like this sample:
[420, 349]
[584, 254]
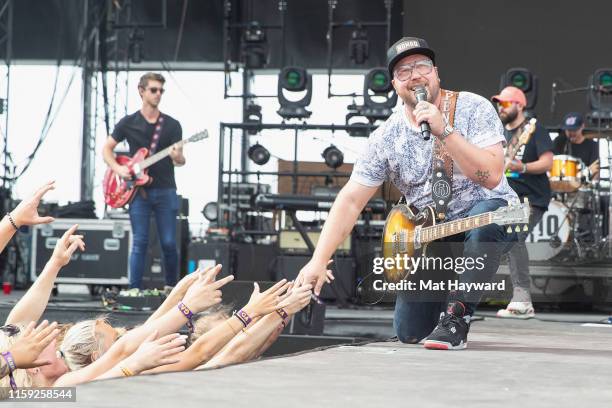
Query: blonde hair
[80, 343]
[22, 377]
[207, 320]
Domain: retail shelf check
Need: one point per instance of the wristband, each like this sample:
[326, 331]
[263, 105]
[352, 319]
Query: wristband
[281, 312]
[524, 168]
[12, 221]
[187, 313]
[126, 371]
[8, 357]
[243, 317]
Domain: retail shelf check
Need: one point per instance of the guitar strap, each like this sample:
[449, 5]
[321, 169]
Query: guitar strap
[442, 162]
[156, 134]
[159, 124]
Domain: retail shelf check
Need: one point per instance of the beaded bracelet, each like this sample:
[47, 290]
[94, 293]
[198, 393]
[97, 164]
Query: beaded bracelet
[126, 371]
[188, 314]
[8, 357]
[12, 221]
[243, 317]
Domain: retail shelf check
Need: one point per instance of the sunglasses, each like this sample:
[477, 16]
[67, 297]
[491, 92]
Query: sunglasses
[10, 329]
[154, 90]
[505, 104]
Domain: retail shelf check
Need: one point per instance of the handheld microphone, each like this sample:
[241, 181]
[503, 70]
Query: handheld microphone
[420, 93]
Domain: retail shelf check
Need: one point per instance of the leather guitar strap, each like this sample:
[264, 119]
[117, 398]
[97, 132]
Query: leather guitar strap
[442, 162]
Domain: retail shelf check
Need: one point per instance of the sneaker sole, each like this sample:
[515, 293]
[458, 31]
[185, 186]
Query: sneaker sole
[443, 345]
[510, 315]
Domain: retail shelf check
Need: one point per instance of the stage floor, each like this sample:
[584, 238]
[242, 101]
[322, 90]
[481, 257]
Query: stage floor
[508, 363]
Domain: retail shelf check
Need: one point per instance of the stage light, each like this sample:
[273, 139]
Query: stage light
[599, 97]
[333, 157]
[524, 80]
[294, 80]
[377, 84]
[211, 211]
[253, 115]
[254, 47]
[359, 46]
[258, 154]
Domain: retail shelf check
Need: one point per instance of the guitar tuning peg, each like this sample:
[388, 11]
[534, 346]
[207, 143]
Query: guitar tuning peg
[509, 229]
[517, 229]
[525, 227]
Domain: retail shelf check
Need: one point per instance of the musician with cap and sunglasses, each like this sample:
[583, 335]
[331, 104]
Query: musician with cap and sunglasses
[526, 171]
[470, 148]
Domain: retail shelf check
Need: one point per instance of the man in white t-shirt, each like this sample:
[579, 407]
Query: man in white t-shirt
[397, 151]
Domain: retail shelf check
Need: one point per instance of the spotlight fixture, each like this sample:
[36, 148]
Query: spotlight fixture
[253, 115]
[258, 154]
[333, 157]
[211, 211]
[294, 80]
[524, 80]
[254, 47]
[359, 46]
[599, 97]
[378, 81]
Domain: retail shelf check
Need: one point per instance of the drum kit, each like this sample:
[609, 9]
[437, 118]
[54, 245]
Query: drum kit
[572, 228]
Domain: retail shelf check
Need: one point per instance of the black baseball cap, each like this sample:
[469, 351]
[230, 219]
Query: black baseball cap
[408, 46]
[572, 121]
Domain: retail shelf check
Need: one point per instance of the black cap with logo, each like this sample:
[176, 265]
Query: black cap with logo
[408, 46]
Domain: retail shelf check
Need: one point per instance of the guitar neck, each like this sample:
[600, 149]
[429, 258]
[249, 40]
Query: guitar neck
[149, 161]
[447, 229]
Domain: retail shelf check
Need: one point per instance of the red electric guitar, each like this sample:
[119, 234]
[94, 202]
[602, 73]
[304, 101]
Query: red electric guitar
[119, 191]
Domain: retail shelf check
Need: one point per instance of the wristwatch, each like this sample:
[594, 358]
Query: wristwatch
[448, 129]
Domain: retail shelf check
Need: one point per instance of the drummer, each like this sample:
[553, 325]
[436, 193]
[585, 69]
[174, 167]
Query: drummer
[585, 149]
[526, 174]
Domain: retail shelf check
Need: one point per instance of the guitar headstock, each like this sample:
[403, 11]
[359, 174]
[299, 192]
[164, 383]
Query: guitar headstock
[528, 131]
[513, 214]
[198, 136]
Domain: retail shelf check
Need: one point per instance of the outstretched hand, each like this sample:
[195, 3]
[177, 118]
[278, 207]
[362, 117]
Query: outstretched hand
[262, 303]
[26, 213]
[66, 245]
[205, 291]
[296, 299]
[314, 273]
[154, 353]
[32, 342]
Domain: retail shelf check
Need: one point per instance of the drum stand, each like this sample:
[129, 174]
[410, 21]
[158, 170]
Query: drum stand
[609, 164]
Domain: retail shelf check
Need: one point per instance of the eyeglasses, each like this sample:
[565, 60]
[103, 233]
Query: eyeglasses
[505, 104]
[422, 67]
[10, 329]
[154, 90]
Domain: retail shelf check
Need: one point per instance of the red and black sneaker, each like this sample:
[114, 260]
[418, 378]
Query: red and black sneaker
[451, 331]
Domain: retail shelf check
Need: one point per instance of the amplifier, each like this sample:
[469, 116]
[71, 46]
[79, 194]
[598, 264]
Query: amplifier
[292, 242]
[106, 257]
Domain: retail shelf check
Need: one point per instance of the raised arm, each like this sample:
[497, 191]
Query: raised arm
[346, 209]
[204, 293]
[26, 213]
[177, 293]
[250, 344]
[32, 305]
[214, 340]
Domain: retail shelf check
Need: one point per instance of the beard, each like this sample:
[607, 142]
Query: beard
[508, 117]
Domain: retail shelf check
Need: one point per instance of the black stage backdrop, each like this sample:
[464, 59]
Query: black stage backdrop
[478, 40]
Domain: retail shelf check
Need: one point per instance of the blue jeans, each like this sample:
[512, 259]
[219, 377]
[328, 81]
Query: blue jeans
[163, 202]
[415, 320]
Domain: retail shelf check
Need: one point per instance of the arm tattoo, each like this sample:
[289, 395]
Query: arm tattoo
[482, 176]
